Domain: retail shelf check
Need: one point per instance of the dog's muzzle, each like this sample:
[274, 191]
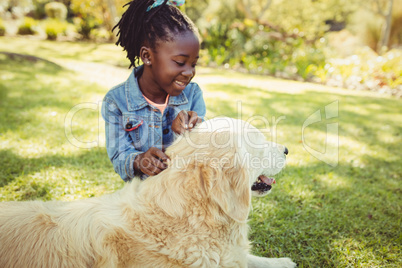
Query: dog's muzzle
[263, 184]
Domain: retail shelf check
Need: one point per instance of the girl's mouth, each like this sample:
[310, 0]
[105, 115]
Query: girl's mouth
[180, 84]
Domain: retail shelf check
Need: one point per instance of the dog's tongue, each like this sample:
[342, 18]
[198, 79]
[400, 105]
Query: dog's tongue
[267, 180]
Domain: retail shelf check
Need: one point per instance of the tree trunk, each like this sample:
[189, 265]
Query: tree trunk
[111, 5]
[386, 30]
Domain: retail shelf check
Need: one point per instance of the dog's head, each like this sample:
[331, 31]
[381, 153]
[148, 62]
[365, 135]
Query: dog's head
[232, 161]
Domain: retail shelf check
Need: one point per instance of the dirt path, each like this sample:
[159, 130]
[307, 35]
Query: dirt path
[108, 76]
[103, 74]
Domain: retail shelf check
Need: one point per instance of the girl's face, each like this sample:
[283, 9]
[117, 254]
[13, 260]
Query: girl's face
[173, 63]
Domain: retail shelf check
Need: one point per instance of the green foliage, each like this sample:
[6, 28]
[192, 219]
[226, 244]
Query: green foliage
[101, 34]
[260, 50]
[59, 12]
[256, 38]
[247, 35]
[2, 28]
[54, 27]
[27, 27]
[38, 11]
[95, 13]
[86, 25]
[56, 10]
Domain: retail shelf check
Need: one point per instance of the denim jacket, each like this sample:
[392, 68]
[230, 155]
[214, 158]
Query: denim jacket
[132, 125]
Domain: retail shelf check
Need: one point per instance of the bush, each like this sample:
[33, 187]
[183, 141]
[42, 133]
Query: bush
[27, 27]
[85, 25]
[101, 34]
[257, 49]
[2, 28]
[366, 70]
[53, 28]
[56, 10]
[38, 9]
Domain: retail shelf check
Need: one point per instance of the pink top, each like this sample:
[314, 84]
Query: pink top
[161, 107]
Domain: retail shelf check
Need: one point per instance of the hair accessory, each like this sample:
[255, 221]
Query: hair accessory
[157, 3]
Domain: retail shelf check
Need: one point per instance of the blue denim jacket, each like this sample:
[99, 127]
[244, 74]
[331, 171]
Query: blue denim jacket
[132, 125]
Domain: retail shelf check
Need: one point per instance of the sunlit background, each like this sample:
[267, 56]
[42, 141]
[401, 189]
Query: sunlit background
[349, 43]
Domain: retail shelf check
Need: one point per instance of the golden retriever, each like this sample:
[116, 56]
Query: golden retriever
[193, 214]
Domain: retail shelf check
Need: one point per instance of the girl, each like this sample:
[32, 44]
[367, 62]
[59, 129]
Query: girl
[158, 99]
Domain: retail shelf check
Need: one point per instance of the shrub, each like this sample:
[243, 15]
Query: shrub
[27, 27]
[56, 10]
[38, 11]
[2, 28]
[366, 70]
[257, 49]
[101, 34]
[53, 28]
[85, 25]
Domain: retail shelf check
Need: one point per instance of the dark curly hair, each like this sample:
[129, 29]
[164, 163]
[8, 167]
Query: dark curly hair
[138, 26]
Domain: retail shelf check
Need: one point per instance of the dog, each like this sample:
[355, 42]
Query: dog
[192, 214]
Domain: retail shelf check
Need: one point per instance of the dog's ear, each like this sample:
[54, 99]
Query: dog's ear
[231, 191]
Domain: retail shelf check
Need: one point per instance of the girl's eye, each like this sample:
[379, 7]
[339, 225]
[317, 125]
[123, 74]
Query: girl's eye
[180, 63]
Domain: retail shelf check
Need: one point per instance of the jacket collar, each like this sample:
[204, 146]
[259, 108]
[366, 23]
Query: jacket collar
[135, 99]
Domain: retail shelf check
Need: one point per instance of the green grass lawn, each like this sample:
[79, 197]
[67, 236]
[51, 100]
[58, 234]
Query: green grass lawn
[347, 214]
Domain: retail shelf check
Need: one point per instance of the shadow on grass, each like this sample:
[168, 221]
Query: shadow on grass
[88, 163]
[48, 49]
[22, 58]
[31, 90]
[77, 51]
[24, 88]
[369, 116]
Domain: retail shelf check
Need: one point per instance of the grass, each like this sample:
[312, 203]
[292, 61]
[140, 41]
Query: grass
[345, 215]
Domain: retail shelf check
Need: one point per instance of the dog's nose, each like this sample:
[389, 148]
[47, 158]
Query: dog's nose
[286, 151]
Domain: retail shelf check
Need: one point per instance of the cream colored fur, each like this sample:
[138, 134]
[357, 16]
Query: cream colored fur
[193, 214]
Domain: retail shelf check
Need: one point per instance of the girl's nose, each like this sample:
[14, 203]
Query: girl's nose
[189, 72]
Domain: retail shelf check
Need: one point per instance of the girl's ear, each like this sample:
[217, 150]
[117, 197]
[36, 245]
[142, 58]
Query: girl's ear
[146, 55]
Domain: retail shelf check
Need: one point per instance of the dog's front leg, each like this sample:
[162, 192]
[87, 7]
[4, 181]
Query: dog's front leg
[260, 262]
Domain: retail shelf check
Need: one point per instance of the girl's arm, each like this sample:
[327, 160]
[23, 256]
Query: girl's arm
[119, 144]
[198, 103]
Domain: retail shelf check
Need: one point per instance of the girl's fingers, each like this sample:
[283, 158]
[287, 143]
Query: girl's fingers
[193, 119]
[161, 155]
[154, 162]
[184, 119]
[149, 167]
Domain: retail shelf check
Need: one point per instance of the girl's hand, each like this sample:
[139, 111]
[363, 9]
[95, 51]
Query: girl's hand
[152, 162]
[185, 120]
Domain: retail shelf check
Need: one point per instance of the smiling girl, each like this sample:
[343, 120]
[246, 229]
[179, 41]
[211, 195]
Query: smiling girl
[158, 99]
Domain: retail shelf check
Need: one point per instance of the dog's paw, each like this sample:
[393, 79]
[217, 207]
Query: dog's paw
[261, 262]
[279, 263]
[286, 263]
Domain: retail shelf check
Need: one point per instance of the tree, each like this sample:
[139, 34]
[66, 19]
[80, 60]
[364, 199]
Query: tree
[384, 9]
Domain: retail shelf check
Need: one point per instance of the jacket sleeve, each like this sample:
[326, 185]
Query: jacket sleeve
[198, 103]
[119, 144]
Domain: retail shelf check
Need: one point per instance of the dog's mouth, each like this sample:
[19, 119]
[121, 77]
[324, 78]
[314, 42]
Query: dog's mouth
[263, 184]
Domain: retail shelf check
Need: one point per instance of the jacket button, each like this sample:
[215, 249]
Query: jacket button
[166, 131]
